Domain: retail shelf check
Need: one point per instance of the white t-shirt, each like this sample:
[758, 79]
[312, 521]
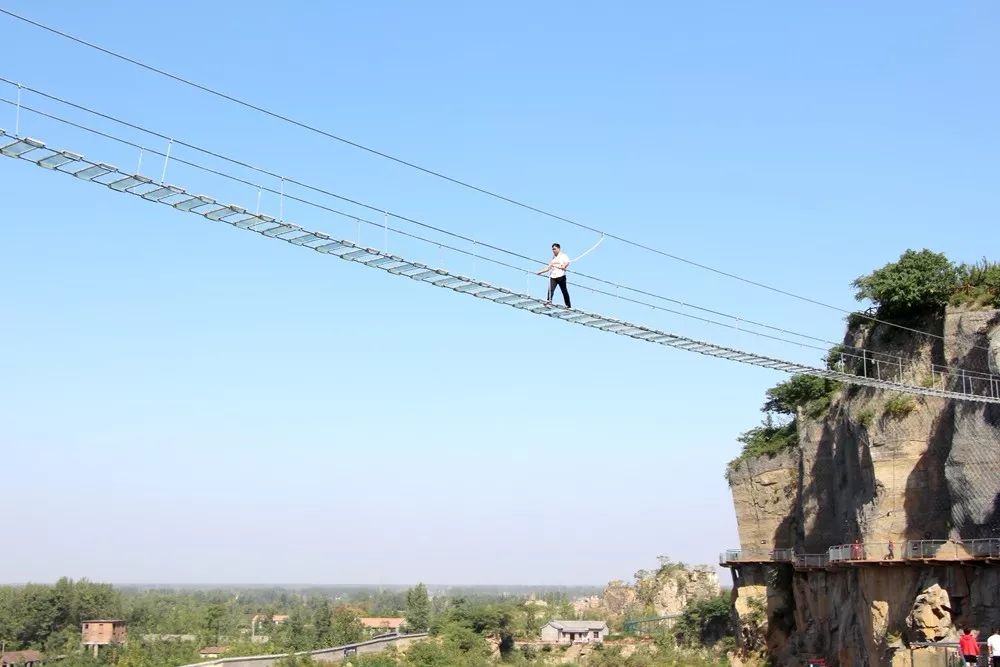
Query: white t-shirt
[557, 265]
[994, 645]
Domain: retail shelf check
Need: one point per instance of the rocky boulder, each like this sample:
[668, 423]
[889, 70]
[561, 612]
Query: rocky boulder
[930, 617]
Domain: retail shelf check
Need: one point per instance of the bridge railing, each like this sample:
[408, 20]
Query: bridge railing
[958, 550]
[730, 556]
[983, 548]
[894, 368]
[943, 654]
[965, 381]
[812, 560]
[861, 551]
[927, 549]
[783, 555]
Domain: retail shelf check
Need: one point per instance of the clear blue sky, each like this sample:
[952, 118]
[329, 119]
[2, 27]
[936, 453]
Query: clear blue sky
[182, 402]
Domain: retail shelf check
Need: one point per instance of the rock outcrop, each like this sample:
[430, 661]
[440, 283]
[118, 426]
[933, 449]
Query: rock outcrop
[881, 469]
[930, 617]
[663, 592]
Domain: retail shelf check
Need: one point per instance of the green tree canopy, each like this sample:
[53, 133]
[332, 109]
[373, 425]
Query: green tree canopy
[418, 608]
[920, 282]
[704, 622]
[802, 391]
[347, 627]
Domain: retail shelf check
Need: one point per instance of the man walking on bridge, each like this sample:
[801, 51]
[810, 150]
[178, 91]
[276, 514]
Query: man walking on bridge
[556, 268]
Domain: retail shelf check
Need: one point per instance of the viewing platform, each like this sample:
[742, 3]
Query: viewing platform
[744, 557]
[872, 554]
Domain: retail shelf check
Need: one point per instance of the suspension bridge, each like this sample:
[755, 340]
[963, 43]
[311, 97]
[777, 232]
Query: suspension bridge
[956, 384]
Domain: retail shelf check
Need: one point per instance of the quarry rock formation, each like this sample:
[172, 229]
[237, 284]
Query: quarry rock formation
[664, 592]
[879, 468]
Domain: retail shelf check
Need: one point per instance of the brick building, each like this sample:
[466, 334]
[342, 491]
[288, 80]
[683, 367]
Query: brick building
[103, 632]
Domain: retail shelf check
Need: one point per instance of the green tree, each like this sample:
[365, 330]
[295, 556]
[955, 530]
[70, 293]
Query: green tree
[298, 635]
[418, 608]
[802, 391]
[530, 621]
[323, 624]
[704, 622]
[769, 439]
[918, 283]
[347, 627]
[214, 616]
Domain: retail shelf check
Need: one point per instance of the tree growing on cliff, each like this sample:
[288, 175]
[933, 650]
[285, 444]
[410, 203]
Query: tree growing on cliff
[768, 439]
[810, 393]
[919, 283]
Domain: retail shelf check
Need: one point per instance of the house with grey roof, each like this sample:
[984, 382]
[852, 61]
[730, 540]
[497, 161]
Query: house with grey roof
[574, 632]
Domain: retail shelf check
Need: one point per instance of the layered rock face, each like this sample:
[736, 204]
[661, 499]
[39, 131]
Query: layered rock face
[662, 593]
[880, 468]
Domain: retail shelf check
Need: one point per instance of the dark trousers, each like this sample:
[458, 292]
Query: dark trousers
[561, 281]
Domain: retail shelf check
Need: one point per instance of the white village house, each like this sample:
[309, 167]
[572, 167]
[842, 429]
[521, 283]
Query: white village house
[574, 632]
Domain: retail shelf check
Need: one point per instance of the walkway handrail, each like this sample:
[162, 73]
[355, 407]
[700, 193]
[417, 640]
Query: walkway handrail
[783, 555]
[988, 547]
[811, 560]
[916, 550]
[920, 549]
[861, 551]
[333, 650]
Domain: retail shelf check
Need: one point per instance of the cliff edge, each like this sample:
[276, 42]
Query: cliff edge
[901, 492]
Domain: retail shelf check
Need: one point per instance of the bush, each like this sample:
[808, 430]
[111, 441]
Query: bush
[386, 659]
[295, 661]
[767, 439]
[918, 283]
[866, 417]
[704, 622]
[979, 284]
[857, 321]
[899, 406]
[812, 394]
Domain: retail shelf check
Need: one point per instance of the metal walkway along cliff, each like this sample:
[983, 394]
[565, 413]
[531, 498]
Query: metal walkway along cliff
[987, 390]
[982, 551]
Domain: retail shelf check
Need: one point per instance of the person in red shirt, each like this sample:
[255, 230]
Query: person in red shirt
[969, 647]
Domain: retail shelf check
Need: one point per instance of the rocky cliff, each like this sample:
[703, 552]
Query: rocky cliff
[663, 592]
[880, 469]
